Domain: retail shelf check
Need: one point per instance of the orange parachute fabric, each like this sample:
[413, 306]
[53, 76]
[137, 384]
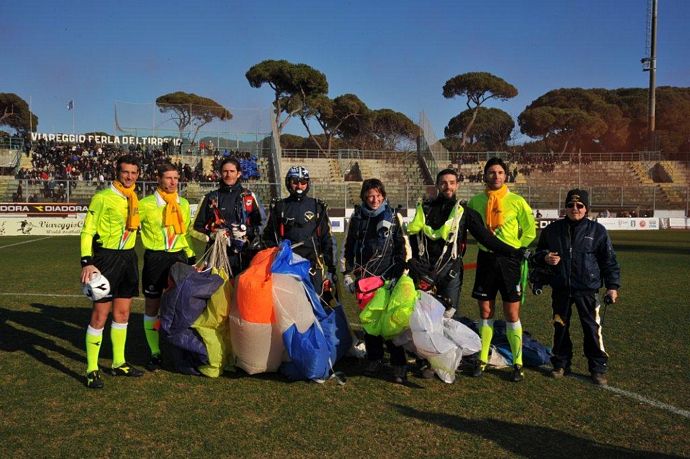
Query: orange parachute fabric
[256, 341]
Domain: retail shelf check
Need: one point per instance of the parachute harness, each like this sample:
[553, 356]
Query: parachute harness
[371, 266]
[448, 232]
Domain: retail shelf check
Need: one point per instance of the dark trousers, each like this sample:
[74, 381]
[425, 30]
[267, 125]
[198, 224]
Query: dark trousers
[587, 305]
[374, 346]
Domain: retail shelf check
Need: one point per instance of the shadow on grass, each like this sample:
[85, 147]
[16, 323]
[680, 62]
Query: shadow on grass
[38, 329]
[26, 339]
[526, 440]
[347, 367]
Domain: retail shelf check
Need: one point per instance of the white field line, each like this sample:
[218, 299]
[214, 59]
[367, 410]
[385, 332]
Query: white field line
[615, 390]
[53, 295]
[649, 401]
[25, 242]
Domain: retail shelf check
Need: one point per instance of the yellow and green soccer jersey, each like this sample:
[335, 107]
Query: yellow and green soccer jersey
[518, 228]
[106, 219]
[154, 234]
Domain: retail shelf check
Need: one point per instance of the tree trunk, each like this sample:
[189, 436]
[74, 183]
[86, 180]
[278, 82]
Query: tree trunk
[469, 126]
[311, 136]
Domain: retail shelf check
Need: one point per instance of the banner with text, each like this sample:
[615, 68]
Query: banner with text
[633, 224]
[41, 226]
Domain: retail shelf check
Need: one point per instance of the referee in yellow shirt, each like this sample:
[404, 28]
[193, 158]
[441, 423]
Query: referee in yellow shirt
[165, 220]
[107, 246]
[508, 216]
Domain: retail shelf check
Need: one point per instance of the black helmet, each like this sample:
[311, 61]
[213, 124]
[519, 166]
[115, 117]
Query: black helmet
[297, 173]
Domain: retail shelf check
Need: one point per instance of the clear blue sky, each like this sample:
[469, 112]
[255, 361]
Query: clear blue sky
[392, 54]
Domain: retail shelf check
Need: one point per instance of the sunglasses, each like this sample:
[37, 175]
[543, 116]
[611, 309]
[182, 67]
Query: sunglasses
[578, 205]
[300, 181]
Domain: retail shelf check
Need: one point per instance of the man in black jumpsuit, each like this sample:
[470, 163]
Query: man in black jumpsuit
[302, 219]
[437, 252]
[234, 209]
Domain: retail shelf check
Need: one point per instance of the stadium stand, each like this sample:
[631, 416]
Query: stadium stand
[56, 172]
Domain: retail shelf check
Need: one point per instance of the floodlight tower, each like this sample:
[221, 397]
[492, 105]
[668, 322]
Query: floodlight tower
[649, 65]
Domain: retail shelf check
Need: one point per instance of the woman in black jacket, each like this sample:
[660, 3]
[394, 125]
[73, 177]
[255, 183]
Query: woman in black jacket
[374, 246]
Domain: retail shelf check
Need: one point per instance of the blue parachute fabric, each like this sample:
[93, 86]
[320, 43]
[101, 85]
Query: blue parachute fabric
[288, 262]
[181, 305]
[534, 353]
[334, 322]
[341, 338]
[321, 344]
[309, 354]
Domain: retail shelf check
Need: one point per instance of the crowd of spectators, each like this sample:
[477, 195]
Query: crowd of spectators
[478, 177]
[526, 163]
[56, 166]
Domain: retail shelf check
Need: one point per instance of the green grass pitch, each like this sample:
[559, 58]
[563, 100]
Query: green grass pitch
[45, 410]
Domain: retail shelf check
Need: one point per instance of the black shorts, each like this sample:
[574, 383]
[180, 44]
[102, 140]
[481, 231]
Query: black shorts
[497, 273]
[121, 268]
[157, 266]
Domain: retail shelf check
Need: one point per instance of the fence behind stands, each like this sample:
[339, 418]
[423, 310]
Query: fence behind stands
[640, 199]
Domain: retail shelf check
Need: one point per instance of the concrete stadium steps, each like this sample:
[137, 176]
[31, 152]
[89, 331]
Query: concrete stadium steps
[320, 169]
[612, 184]
[25, 162]
[193, 191]
[8, 186]
[82, 192]
[678, 171]
[470, 169]
[400, 174]
[676, 196]
[641, 170]
[596, 173]
[9, 158]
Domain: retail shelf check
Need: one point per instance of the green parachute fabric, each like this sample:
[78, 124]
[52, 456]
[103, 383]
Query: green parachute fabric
[388, 313]
[396, 318]
[370, 317]
[212, 326]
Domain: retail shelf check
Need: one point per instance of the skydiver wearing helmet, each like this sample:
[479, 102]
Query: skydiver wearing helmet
[301, 218]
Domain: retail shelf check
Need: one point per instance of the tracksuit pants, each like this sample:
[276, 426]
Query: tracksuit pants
[587, 306]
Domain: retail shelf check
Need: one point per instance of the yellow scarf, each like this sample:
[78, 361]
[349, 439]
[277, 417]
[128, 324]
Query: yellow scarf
[173, 213]
[494, 209]
[132, 205]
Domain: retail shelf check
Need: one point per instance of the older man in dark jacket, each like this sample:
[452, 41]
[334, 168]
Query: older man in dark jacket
[581, 256]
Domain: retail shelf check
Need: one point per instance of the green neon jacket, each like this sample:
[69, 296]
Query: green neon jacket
[518, 229]
[154, 235]
[105, 221]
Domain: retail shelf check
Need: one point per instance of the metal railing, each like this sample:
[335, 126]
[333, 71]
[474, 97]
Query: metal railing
[11, 143]
[642, 199]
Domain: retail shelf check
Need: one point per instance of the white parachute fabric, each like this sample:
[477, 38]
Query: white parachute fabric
[258, 346]
[429, 339]
[443, 342]
[462, 335]
[292, 306]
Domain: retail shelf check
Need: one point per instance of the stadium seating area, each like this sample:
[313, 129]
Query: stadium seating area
[58, 172]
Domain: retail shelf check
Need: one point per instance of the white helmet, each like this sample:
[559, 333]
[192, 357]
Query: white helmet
[97, 287]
